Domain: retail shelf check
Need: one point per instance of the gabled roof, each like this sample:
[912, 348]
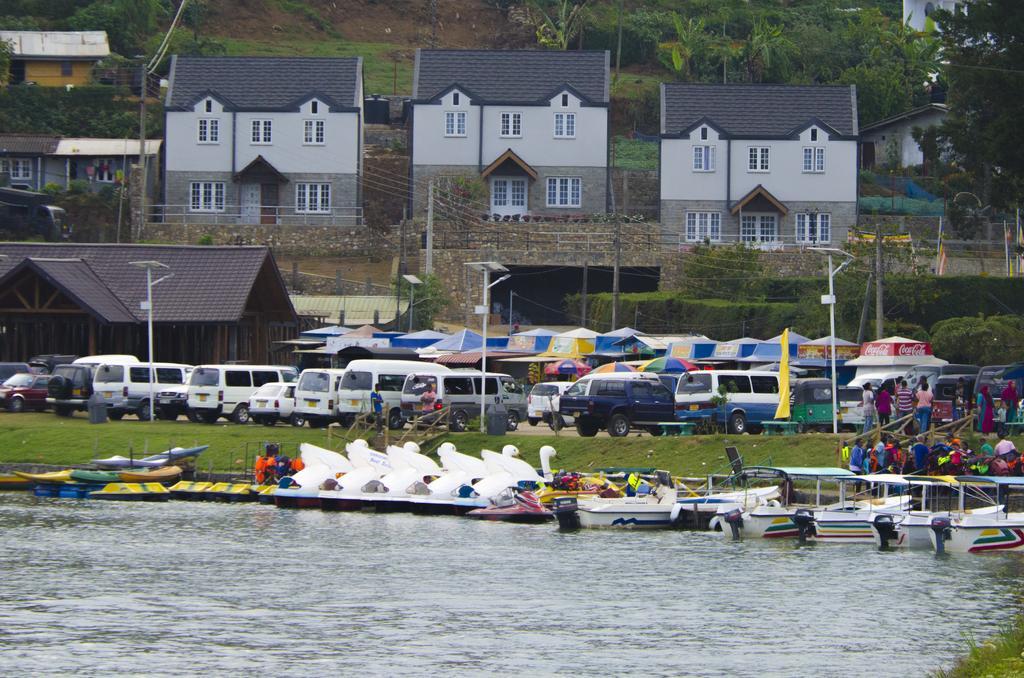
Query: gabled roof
[28, 144]
[511, 157]
[763, 193]
[942, 109]
[265, 83]
[210, 284]
[260, 168]
[79, 282]
[522, 77]
[758, 111]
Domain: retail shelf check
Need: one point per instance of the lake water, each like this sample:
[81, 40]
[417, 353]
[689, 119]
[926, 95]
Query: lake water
[98, 587]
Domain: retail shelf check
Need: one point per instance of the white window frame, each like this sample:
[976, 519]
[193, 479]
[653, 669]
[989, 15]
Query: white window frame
[312, 198]
[820, 222]
[206, 196]
[314, 132]
[701, 226]
[565, 126]
[564, 192]
[752, 228]
[208, 131]
[517, 193]
[19, 168]
[455, 123]
[813, 159]
[510, 125]
[758, 159]
[261, 132]
[704, 158]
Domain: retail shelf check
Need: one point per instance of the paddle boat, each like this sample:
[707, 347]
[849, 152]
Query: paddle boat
[302, 490]
[189, 490]
[343, 491]
[132, 492]
[391, 492]
[986, 532]
[514, 506]
[231, 493]
[452, 492]
[655, 509]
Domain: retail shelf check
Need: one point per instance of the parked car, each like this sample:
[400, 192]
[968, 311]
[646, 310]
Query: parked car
[272, 402]
[361, 376]
[543, 400]
[460, 391]
[172, 401]
[69, 388]
[316, 397]
[216, 391]
[24, 392]
[8, 370]
[125, 387]
[618, 405]
[752, 397]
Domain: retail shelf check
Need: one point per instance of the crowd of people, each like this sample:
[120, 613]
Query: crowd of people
[951, 456]
[884, 406]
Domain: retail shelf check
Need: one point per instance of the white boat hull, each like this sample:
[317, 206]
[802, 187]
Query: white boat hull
[983, 535]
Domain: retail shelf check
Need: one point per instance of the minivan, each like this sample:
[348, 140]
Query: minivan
[933, 372]
[69, 388]
[316, 396]
[752, 397]
[360, 378]
[125, 387]
[216, 391]
[460, 391]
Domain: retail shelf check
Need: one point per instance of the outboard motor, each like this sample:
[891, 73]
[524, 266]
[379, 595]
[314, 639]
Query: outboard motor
[566, 510]
[734, 519]
[804, 521]
[941, 526]
[886, 529]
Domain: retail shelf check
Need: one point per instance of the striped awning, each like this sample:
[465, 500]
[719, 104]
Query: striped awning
[472, 357]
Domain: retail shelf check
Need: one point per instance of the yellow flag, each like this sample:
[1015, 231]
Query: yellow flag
[782, 412]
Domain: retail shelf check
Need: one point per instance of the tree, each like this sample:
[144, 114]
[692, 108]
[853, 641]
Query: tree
[983, 52]
[5, 62]
[690, 40]
[980, 340]
[430, 300]
[767, 47]
[557, 29]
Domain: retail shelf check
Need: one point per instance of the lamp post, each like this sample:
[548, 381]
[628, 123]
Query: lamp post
[147, 306]
[487, 268]
[830, 299]
[413, 282]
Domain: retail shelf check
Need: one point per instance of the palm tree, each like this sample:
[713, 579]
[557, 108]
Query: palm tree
[765, 46]
[557, 30]
[690, 41]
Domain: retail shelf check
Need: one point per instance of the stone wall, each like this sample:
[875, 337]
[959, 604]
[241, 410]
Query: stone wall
[636, 192]
[673, 216]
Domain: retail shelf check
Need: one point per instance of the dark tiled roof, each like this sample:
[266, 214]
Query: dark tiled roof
[85, 286]
[264, 83]
[34, 144]
[511, 76]
[210, 284]
[758, 110]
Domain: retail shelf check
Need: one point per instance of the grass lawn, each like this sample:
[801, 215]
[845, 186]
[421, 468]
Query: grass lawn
[48, 439]
[998, 657]
[380, 60]
[634, 154]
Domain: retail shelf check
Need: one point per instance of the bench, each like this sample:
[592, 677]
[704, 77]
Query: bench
[779, 428]
[678, 428]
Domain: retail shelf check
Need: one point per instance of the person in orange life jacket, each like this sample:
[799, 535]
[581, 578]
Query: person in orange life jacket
[297, 464]
[264, 464]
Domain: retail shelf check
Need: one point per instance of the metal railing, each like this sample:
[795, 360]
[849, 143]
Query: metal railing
[264, 215]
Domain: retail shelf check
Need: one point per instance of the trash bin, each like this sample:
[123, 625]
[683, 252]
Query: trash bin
[497, 420]
[97, 409]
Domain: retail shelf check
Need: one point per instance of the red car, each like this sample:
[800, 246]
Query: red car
[24, 391]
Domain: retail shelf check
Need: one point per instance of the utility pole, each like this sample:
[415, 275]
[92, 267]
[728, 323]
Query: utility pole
[429, 267]
[583, 310]
[618, 47]
[142, 148]
[863, 327]
[615, 272]
[879, 285]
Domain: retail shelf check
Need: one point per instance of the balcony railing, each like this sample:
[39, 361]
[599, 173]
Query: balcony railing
[265, 215]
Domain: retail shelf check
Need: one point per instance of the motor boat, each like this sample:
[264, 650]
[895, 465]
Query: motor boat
[656, 509]
[702, 511]
[992, 531]
[514, 506]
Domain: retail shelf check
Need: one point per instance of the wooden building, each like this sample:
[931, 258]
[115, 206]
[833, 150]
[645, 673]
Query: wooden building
[54, 58]
[214, 304]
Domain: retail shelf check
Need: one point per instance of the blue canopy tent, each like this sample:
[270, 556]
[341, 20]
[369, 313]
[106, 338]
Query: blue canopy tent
[541, 340]
[771, 351]
[460, 342]
[325, 332]
[692, 349]
[420, 339]
[609, 345]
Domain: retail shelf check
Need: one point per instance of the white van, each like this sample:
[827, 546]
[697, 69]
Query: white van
[360, 378]
[752, 397]
[124, 387]
[316, 395]
[459, 390]
[111, 359]
[224, 390]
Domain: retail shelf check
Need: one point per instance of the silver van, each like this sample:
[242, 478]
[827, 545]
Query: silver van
[459, 390]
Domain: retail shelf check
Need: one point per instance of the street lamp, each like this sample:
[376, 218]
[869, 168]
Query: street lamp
[413, 282]
[487, 268]
[147, 306]
[830, 299]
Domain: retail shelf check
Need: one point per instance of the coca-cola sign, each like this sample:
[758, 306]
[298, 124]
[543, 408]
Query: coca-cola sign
[915, 349]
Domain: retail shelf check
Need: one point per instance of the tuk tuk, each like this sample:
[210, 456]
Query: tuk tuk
[810, 405]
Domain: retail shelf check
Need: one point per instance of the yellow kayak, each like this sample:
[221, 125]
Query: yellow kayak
[132, 492]
[165, 474]
[51, 477]
[13, 482]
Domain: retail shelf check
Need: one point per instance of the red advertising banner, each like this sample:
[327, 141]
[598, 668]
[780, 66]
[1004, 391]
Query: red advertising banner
[917, 349]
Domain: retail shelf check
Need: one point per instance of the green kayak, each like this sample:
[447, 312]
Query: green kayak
[84, 476]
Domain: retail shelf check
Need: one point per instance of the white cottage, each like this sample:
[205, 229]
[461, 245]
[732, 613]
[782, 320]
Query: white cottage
[531, 124]
[760, 164]
[264, 140]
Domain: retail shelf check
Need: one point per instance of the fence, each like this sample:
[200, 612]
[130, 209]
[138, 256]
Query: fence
[263, 215]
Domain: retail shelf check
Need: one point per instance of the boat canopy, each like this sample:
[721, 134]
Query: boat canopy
[1004, 481]
[800, 471]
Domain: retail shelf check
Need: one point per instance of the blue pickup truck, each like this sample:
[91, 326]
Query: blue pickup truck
[618, 405]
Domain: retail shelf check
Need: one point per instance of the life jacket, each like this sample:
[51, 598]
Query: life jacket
[297, 464]
[873, 460]
[846, 453]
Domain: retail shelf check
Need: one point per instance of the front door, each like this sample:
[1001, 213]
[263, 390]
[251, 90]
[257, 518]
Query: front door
[268, 203]
[508, 196]
[250, 203]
